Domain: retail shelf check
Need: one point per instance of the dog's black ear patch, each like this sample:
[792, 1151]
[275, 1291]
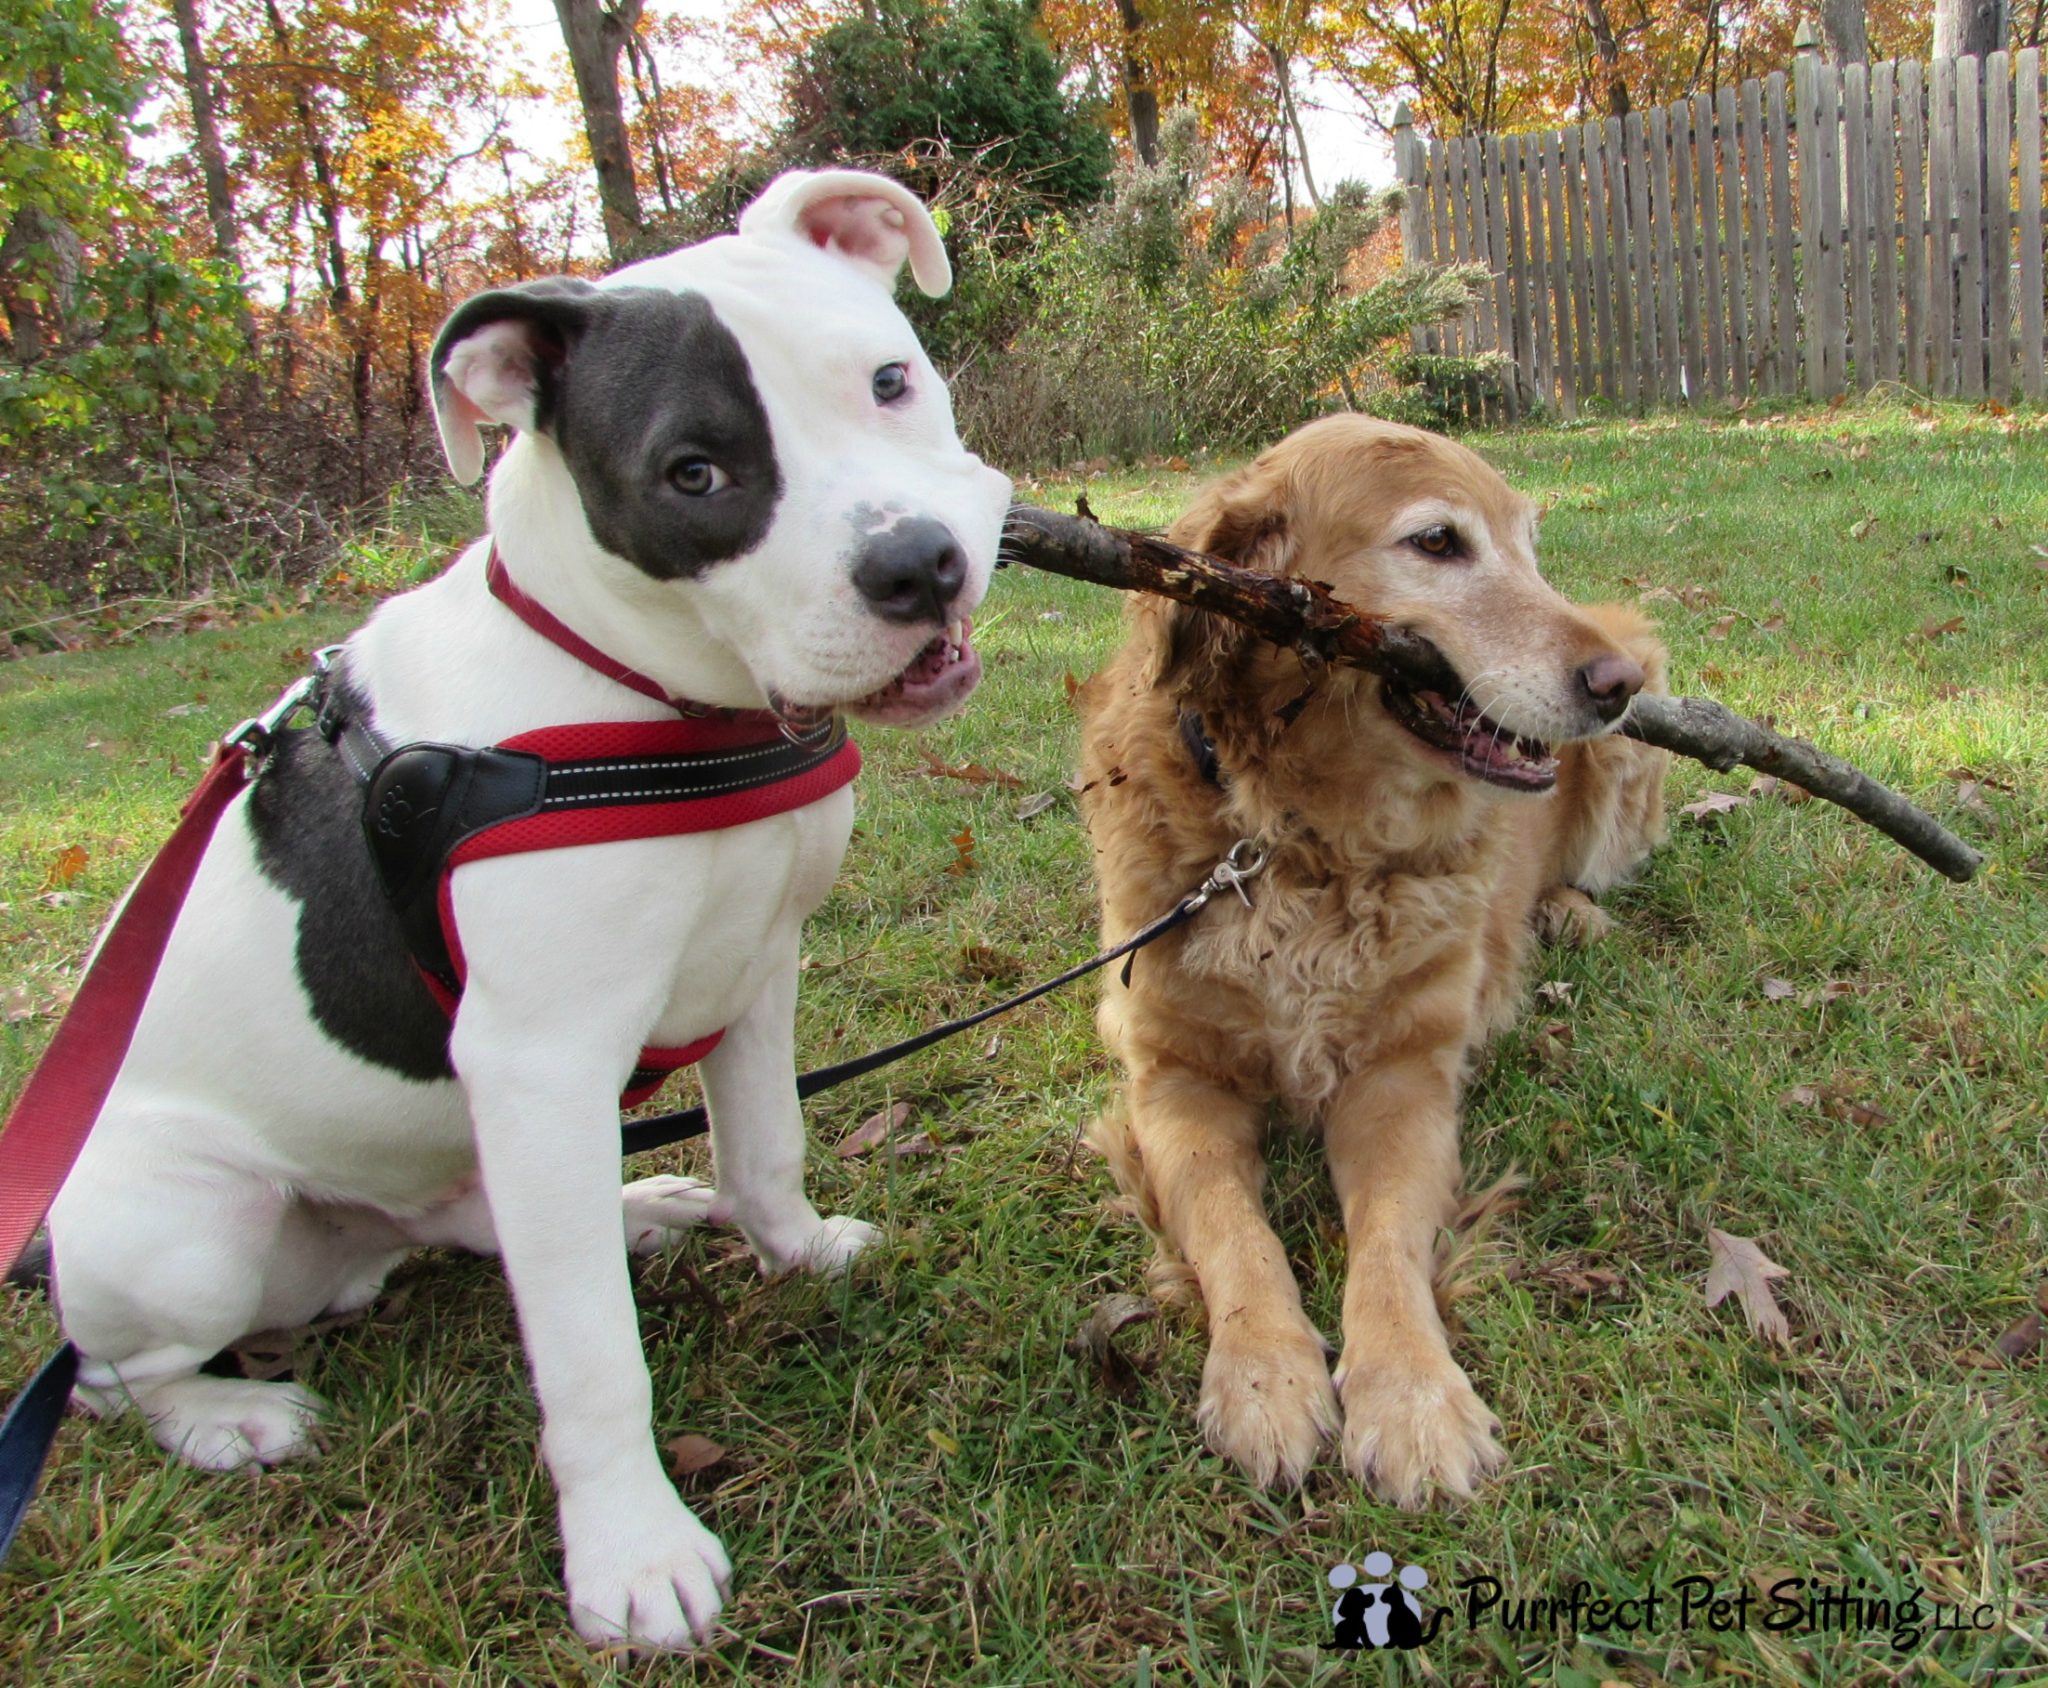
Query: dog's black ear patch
[655, 389]
[306, 815]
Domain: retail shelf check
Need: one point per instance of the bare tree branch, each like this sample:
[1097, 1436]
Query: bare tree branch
[1304, 616]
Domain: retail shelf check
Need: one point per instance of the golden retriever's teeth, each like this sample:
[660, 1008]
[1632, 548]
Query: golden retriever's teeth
[953, 635]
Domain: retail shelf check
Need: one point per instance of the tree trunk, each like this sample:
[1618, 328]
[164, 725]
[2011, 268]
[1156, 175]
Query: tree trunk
[41, 256]
[1614, 86]
[1282, 74]
[1844, 40]
[596, 36]
[1970, 28]
[213, 158]
[1141, 99]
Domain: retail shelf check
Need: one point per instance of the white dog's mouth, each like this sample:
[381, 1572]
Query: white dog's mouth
[1484, 749]
[934, 681]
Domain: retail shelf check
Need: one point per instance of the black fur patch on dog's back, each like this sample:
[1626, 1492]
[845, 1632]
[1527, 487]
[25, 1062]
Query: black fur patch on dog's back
[306, 814]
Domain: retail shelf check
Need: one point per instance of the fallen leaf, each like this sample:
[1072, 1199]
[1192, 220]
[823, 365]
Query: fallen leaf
[989, 966]
[1722, 628]
[1714, 803]
[1738, 1267]
[1847, 1109]
[688, 1455]
[1955, 574]
[1073, 685]
[185, 709]
[1555, 992]
[963, 852]
[1932, 629]
[18, 1005]
[1697, 597]
[70, 863]
[1037, 804]
[1664, 595]
[944, 1443]
[1771, 624]
[1800, 1096]
[972, 772]
[1095, 1342]
[1833, 991]
[993, 1048]
[266, 1355]
[873, 1131]
[1861, 530]
[1779, 990]
[917, 1143]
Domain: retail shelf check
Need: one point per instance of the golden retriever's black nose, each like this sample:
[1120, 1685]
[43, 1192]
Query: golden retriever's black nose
[1609, 682]
[911, 572]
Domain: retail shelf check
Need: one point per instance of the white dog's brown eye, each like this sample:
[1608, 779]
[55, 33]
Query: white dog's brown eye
[697, 477]
[892, 381]
[1436, 541]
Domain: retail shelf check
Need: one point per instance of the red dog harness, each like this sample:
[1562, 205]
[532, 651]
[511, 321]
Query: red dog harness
[429, 809]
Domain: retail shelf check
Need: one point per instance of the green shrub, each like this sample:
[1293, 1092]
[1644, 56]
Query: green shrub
[1187, 312]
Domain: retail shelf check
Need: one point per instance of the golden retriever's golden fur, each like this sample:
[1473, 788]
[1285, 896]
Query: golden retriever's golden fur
[1386, 934]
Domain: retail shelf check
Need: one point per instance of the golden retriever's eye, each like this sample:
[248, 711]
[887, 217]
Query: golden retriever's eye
[1438, 541]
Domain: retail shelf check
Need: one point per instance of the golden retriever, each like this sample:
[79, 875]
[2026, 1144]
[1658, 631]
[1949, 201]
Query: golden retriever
[1414, 842]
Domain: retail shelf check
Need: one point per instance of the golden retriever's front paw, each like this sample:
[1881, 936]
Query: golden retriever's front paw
[1566, 916]
[1410, 1433]
[1267, 1403]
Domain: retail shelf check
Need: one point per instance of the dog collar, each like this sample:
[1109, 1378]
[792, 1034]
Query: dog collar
[1200, 746]
[552, 628]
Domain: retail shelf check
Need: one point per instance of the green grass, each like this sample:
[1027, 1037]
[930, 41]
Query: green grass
[922, 1485]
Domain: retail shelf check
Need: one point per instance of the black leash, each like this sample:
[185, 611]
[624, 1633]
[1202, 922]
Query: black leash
[1242, 864]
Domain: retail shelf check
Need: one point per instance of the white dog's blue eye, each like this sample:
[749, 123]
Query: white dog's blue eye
[892, 381]
[697, 477]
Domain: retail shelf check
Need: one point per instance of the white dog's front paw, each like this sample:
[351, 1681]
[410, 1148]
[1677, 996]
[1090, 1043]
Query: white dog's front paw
[231, 1423]
[644, 1576]
[831, 1248]
[661, 1209]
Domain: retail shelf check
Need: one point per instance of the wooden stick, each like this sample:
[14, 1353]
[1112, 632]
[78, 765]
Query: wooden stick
[1306, 617]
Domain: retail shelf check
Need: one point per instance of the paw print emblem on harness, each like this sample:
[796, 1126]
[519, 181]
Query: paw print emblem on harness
[395, 814]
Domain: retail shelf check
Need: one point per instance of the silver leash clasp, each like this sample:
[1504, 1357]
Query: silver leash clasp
[1241, 864]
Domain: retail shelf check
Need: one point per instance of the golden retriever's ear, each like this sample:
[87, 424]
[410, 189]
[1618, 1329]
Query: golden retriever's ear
[1243, 520]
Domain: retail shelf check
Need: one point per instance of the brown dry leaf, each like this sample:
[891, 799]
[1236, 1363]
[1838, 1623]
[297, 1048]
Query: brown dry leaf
[980, 962]
[1933, 629]
[1738, 1267]
[917, 1143]
[1970, 776]
[1862, 529]
[266, 1355]
[1800, 1096]
[963, 861]
[1765, 785]
[1073, 685]
[1697, 597]
[1779, 990]
[688, 1455]
[1714, 803]
[972, 772]
[1179, 465]
[1771, 624]
[1833, 991]
[1838, 1105]
[1555, 993]
[70, 863]
[1095, 1342]
[1037, 804]
[1722, 628]
[1664, 595]
[873, 1131]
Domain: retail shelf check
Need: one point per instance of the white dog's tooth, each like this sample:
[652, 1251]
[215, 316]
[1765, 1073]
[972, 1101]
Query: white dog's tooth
[953, 633]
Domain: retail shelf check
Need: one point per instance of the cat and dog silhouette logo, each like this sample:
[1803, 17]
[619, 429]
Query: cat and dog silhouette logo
[1380, 1614]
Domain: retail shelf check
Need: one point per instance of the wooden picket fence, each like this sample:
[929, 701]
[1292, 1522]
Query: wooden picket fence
[1884, 225]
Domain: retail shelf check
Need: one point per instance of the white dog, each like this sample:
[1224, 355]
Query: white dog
[735, 474]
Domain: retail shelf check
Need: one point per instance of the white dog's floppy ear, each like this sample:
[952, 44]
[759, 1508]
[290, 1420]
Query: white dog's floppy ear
[868, 220]
[496, 360]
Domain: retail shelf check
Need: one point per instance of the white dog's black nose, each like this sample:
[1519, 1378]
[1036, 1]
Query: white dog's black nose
[1609, 682]
[913, 572]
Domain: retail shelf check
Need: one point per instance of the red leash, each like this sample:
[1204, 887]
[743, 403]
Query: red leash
[50, 1119]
